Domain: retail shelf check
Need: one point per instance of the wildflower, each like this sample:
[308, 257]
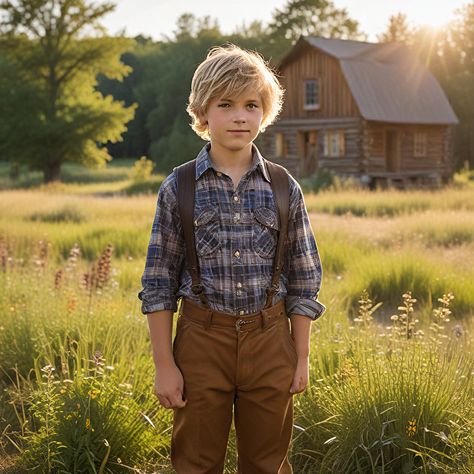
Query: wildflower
[41, 258]
[458, 330]
[94, 392]
[58, 276]
[3, 253]
[74, 254]
[104, 266]
[411, 427]
[72, 303]
[88, 423]
[98, 358]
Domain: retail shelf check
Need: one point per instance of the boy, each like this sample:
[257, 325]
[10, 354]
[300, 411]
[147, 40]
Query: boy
[233, 350]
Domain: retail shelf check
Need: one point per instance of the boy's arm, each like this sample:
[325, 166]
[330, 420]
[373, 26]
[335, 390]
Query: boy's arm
[160, 281]
[165, 254]
[160, 324]
[304, 272]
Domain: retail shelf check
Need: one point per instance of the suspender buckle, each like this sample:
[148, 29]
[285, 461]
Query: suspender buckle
[197, 289]
[272, 289]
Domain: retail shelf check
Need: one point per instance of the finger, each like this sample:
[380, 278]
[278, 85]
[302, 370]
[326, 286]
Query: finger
[164, 401]
[179, 400]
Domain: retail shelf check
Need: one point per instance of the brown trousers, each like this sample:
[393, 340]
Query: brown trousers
[246, 368]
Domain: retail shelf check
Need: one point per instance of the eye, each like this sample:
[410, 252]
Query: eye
[223, 105]
[253, 105]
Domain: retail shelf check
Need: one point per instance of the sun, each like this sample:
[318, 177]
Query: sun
[434, 15]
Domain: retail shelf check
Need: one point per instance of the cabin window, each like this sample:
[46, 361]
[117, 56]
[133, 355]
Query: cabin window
[334, 144]
[280, 144]
[420, 141]
[311, 94]
[376, 143]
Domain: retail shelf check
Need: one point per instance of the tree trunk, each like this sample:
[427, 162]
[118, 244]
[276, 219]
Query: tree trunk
[52, 172]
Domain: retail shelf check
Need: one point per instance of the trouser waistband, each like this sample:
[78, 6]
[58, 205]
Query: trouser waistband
[211, 317]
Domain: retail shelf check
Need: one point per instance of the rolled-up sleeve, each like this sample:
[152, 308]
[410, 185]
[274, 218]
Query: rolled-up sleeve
[160, 279]
[304, 270]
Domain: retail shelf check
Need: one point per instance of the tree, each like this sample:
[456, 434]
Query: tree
[167, 75]
[397, 30]
[45, 48]
[458, 60]
[308, 18]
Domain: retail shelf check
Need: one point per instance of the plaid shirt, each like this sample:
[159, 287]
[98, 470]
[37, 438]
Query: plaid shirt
[236, 237]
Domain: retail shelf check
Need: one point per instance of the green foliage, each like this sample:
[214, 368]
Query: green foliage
[388, 203]
[390, 382]
[150, 186]
[308, 17]
[322, 179]
[142, 170]
[65, 214]
[68, 119]
[386, 278]
[327, 179]
[390, 404]
[93, 422]
[381, 396]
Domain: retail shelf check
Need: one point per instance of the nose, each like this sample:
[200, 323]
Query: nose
[239, 116]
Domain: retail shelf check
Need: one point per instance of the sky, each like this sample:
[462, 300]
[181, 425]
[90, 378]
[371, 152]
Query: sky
[156, 18]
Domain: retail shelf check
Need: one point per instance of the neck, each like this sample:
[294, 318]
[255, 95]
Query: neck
[224, 159]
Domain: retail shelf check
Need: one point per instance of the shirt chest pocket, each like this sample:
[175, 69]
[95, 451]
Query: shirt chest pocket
[207, 232]
[265, 231]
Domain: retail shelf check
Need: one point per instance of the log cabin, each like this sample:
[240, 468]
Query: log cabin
[370, 111]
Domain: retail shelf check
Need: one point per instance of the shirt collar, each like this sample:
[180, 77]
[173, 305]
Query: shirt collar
[203, 161]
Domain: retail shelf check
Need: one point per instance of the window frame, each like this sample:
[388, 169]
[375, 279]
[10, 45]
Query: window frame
[334, 143]
[280, 144]
[316, 105]
[420, 140]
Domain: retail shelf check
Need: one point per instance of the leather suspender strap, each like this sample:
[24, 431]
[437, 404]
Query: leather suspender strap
[186, 183]
[281, 191]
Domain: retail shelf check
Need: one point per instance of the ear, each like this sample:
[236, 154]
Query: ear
[202, 117]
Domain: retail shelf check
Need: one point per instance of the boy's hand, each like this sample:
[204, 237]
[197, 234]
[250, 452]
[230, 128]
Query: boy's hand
[169, 386]
[301, 377]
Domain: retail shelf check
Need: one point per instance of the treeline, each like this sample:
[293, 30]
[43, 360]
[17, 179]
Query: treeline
[162, 73]
[65, 98]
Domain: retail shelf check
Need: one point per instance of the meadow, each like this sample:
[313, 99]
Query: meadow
[391, 359]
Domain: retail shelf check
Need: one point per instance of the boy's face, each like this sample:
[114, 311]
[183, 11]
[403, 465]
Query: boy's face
[234, 122]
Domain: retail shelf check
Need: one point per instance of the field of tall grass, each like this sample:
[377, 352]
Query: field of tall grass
[391, 359]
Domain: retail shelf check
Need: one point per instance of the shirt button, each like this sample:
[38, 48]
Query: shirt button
[236, 198]
[237, 253]
[219, 173]
[241, 312]
[239, 285]
[236, 217]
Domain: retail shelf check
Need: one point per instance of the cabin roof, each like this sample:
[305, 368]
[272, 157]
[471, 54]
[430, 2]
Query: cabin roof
[387, 81]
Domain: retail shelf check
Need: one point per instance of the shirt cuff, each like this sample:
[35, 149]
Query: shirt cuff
[313, 309]
[157, 303]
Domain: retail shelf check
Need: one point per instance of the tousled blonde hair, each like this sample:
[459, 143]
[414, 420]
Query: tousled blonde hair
[228, 71]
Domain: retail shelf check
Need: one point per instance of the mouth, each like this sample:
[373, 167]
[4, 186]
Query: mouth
[238, 131]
